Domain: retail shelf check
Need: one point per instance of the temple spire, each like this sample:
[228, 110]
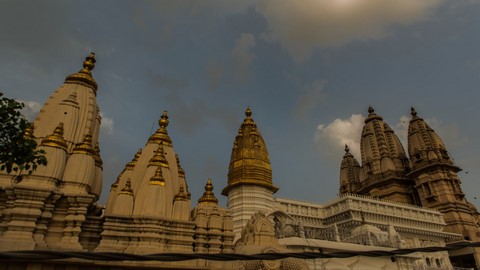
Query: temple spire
[56, 139]
[161, 135]
[208, 195]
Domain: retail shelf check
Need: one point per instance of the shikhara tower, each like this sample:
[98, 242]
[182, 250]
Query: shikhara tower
[427, 178]
[250, 188]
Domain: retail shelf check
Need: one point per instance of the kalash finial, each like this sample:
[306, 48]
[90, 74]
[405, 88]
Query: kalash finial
[413, 112]
[370, 110]
[347, 150]
[163, 122]
[89, 63]
[248, 112]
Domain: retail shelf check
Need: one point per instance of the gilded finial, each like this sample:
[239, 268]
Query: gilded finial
[84, 76]
[159, 158]
[158, 179]
[248, 112]
[413, 112]
[28, 133]
[132, 163]
[127, 189]
[208, 195]
[56, 139]
[161, 135]
[85, 147]
[163, 122]
[89, 63]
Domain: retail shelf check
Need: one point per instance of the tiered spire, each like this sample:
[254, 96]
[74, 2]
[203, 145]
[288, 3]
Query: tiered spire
[158, 179]
[349, 173]
[208, 195]
[159, 158]
[132, 163]
[85, 147]
[249, 162]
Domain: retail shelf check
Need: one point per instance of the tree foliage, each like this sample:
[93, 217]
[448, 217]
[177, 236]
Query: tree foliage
[17, 151]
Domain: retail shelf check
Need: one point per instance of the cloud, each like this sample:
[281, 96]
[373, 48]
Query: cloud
[30, 110]
[331, 138]
[243, 57]
[310, 97]
[302, 26]
[107, 124]
[214, 74]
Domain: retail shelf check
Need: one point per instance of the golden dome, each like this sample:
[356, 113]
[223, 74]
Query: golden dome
[84, 76]
[249, 162]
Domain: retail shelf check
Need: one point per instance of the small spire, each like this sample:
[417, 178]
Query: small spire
[181, 196]
[208, 195]
[132, 163]
[159, 158]
[158, 179]
[98, 159]
[248, 118]
[347, 150]
[85, 147]
[56, 139]
[181, 171]
[127, 189]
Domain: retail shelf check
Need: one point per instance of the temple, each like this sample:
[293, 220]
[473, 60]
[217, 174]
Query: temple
[390, 201]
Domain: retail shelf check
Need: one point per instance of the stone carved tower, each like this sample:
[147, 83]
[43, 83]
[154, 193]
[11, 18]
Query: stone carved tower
[250, 188]
[49, 207]
[437, 182]
[349, 173]
[384, 163]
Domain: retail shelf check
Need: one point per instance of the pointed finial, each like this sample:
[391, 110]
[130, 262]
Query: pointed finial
[163, 122]
[248, 112]
[208, 195]
[347, 150]
[413, 112]
[127, 189]
[89, 63]
[370, 110]
[56, 139]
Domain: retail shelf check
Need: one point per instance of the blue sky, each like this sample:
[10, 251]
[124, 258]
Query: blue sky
[308, 69]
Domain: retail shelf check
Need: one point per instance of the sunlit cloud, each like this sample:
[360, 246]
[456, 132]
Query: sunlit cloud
[302, 26]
